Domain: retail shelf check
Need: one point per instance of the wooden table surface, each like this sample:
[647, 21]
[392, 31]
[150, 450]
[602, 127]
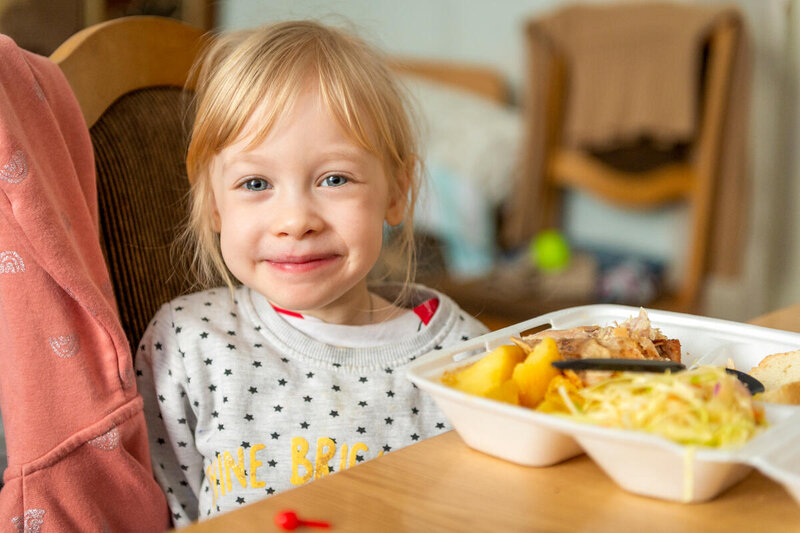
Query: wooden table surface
[443, 485]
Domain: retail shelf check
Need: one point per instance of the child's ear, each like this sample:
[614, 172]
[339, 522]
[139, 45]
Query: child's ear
[396, 210]
[216, 221]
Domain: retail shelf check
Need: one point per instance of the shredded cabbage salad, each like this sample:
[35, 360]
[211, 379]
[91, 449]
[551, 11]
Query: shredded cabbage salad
[704, 406]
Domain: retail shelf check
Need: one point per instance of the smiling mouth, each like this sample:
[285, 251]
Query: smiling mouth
[301, 264]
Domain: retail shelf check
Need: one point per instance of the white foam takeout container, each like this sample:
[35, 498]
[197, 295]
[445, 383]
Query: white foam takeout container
[639, 462]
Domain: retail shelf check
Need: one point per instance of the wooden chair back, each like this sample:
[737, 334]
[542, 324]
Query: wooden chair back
[128, 76]
[692, 180]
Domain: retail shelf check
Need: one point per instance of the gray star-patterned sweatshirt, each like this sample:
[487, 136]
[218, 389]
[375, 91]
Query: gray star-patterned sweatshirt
[240, 405]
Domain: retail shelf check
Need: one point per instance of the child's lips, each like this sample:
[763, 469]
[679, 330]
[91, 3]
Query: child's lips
[302, 263]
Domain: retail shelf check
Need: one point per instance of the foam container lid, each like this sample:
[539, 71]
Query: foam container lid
[640, 462]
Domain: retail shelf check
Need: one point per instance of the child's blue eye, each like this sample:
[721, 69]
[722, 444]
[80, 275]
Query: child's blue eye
[256, 184]
[334, 180]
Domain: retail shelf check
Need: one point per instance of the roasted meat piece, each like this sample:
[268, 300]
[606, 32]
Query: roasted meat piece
[633, 339]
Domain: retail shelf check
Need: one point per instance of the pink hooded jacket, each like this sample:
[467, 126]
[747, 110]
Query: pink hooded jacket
[76, 436]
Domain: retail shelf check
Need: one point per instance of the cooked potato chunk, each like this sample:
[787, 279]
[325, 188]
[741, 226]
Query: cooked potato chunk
[534, 374]
[505, 392]
[487, 373]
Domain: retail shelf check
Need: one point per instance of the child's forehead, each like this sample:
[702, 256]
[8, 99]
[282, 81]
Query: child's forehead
[274, 111]
[306, 108]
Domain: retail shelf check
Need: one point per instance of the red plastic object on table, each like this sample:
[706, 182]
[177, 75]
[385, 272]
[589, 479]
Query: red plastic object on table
[288, 520]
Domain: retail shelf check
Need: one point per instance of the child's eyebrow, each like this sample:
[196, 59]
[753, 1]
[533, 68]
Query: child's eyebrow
[242, 158]
[345, 152]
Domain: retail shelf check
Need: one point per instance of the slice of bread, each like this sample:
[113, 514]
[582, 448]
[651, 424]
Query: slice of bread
[778, 369]
[789, 393]
[780, 374]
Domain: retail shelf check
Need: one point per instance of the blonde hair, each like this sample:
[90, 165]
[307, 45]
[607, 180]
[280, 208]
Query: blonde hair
[239, 71]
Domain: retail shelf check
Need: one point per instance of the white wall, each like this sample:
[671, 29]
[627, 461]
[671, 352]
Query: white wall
[479, 31]
[491, 32]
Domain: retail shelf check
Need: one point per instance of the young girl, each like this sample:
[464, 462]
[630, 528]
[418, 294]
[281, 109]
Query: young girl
[301, 150]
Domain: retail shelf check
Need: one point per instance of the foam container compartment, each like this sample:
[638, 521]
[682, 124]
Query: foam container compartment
[639, 462]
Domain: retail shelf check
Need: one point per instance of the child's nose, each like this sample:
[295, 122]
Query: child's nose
[297, 216]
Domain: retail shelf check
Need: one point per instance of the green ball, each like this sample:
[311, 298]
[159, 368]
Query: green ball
[549, 251]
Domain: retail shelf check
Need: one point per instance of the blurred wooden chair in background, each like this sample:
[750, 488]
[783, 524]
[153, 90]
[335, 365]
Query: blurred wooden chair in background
[693, 179]
[128, 76]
